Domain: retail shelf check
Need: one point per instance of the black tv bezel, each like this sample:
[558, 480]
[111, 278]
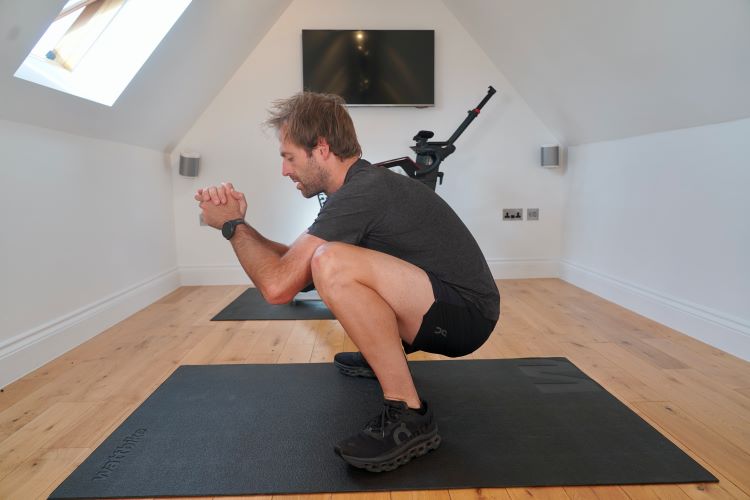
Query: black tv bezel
[356, 105]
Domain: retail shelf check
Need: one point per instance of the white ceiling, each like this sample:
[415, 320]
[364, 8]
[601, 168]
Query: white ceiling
[191, 65]
[592, 70]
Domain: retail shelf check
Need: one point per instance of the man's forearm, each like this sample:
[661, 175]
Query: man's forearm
[279, 248]
[259, 257]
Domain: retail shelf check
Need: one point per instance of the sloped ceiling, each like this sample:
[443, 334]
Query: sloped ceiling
[193, 62]
[592, 70]
[595, 70]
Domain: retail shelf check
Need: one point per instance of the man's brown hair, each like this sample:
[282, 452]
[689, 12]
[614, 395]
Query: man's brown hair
[307, 116]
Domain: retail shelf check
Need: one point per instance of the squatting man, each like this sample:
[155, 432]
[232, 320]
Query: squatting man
[392, 261]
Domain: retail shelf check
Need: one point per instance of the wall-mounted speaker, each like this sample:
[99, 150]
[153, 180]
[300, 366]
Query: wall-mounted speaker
[189, 164]
[550, 155]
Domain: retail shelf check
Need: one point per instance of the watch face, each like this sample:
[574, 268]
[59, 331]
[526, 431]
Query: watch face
[227, 230]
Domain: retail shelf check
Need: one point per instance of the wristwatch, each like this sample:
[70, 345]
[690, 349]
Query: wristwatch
[229, 226]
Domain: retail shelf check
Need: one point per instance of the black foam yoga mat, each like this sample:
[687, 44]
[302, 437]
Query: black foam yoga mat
[252, 306]
[267, 429]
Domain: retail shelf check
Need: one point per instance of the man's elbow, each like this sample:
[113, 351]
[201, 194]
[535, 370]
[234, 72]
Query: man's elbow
[277, 295]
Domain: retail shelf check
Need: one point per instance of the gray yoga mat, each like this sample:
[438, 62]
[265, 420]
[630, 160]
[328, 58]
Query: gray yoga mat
[270, 429]
[252, 306]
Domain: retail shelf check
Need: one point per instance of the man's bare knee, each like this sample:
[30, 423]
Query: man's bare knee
[323, 257]
[327, 263]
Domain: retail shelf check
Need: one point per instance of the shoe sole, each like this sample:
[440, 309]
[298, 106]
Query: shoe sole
[392, 461]
[354, 371]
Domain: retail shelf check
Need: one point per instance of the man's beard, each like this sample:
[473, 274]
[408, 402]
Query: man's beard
[315, 181]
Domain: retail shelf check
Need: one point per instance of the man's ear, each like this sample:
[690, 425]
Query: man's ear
[323, 147]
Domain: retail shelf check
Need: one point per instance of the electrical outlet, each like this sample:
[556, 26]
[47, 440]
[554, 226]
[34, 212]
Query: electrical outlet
[512, 213]
[532, 214]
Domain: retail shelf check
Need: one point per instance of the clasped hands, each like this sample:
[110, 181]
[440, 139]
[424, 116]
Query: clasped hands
[220, 204]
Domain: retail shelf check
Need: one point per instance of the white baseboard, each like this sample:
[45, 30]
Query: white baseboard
[524, 268]
[500, 268]
[29, 350]
[729, 334]
[213, 275]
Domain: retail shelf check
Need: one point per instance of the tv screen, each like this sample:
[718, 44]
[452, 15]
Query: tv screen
[371, 67]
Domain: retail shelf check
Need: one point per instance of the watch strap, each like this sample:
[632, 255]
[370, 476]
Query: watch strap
[229, 227]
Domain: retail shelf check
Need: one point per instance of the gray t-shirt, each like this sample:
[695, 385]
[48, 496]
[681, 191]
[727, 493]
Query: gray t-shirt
[394, 214]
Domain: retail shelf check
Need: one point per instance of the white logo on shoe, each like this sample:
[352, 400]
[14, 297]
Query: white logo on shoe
[441, 331]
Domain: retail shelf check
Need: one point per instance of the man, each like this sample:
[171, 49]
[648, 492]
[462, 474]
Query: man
[389, 257]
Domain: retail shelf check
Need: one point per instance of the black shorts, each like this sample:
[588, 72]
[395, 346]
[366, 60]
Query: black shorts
[452, 326]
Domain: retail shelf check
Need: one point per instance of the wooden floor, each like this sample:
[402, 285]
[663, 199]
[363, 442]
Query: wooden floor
[697, 396]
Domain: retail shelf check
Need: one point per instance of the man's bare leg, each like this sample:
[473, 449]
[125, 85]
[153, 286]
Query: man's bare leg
[379, 300]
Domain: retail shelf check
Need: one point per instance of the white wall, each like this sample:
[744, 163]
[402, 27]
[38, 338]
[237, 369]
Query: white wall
[87, 239]
[659, 223]
[495, 166]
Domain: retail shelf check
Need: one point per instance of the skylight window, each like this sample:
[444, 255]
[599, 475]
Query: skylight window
[94, 48]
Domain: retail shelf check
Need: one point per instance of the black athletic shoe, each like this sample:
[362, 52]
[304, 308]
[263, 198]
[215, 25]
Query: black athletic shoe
[353, 364]
[392, 438]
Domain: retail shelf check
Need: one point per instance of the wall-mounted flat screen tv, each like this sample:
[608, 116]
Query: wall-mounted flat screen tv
[371, 67]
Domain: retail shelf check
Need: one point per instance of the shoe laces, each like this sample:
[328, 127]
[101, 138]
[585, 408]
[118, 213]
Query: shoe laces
[390, 414]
